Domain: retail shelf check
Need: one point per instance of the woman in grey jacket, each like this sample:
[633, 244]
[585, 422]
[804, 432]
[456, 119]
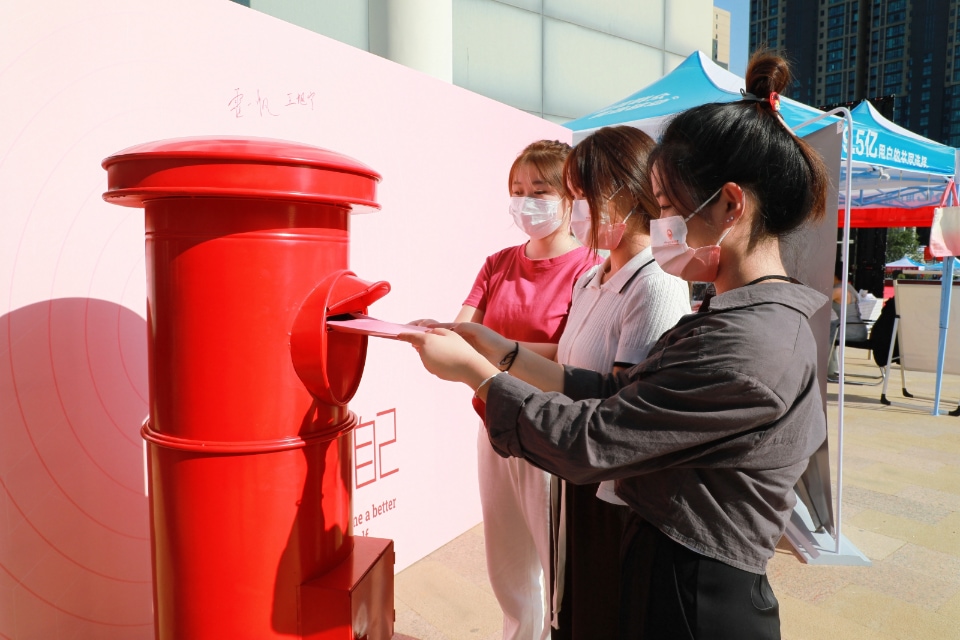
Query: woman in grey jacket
[707, 436]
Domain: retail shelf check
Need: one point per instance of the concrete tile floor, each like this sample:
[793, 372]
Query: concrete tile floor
[901, 508]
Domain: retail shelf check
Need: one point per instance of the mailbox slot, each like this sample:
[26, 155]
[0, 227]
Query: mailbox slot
[330, 364]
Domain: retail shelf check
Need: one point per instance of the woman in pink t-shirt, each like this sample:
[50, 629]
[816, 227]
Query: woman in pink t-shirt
[524, 294]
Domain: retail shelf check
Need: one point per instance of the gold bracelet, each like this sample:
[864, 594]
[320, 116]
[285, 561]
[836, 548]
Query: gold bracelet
[480, 386]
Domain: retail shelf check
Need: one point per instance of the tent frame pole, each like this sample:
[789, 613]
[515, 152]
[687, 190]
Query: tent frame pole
[844, 113]
[946, 289]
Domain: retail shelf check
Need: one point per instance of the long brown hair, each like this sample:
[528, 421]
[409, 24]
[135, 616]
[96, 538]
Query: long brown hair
[613, 160]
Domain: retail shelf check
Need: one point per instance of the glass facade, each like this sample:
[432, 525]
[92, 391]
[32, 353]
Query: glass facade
[901, 45]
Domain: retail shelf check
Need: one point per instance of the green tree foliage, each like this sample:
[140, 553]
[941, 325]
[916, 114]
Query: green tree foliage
[903, 242]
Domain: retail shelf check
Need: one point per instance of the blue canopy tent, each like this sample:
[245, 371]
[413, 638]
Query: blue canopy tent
[939, 266]
[904, 263]
[697, 80]
[898, 177]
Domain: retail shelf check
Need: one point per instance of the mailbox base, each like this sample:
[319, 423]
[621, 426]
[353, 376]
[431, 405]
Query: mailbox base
[354, 600]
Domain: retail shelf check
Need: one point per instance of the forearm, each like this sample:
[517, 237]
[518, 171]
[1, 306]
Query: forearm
[469, 314]
[653, 424]
[546, 349]
[534, 369]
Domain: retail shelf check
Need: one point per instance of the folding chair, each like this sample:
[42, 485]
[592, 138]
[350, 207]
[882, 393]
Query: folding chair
[869, 346]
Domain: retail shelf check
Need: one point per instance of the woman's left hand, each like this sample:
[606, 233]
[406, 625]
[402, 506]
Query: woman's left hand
[449, 357]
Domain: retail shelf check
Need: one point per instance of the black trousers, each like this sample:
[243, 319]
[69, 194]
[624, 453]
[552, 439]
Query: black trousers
[669, 592]
[590, 608]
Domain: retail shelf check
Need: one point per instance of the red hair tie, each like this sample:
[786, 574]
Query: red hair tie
[774, 100]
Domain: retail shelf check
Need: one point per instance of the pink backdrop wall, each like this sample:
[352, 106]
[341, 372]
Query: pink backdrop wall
[79, 81]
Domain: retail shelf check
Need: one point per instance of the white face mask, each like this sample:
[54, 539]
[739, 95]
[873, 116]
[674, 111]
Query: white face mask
[536, 217]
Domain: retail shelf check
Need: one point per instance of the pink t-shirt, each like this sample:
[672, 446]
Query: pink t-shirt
[528, 300]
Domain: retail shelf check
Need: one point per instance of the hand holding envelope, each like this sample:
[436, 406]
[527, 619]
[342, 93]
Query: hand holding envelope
[360, 323]
[444, 353]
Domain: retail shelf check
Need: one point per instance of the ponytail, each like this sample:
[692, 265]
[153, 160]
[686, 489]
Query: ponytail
[746, 142]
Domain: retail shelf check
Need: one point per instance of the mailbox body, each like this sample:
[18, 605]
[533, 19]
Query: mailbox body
[249, 439]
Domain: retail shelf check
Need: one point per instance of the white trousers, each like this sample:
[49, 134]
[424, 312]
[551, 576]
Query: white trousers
[515, 500]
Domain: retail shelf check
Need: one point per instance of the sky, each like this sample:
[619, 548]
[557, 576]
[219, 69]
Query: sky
[739, 32]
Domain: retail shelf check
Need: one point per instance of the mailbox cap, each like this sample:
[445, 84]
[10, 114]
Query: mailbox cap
[227, 166]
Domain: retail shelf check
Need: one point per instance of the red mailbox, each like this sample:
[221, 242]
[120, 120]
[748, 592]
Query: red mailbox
[249, 436]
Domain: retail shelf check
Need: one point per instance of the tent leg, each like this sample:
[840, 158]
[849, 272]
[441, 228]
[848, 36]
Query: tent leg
[886, 374]
[903, 383]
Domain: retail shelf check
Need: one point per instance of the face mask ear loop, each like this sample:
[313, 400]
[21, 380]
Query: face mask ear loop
[604, 216]
[702, 205]
[725, 232]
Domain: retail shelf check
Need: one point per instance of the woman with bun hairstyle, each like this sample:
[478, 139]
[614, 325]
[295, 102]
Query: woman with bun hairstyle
[619, 310]
[707, 436]
[523, 293]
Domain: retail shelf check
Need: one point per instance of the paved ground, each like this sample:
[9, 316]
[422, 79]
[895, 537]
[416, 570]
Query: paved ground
[901, 509]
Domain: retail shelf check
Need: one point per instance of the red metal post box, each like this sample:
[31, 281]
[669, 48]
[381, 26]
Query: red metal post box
[249, 435]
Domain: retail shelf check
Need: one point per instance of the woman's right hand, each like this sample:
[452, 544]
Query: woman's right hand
[448, 356]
